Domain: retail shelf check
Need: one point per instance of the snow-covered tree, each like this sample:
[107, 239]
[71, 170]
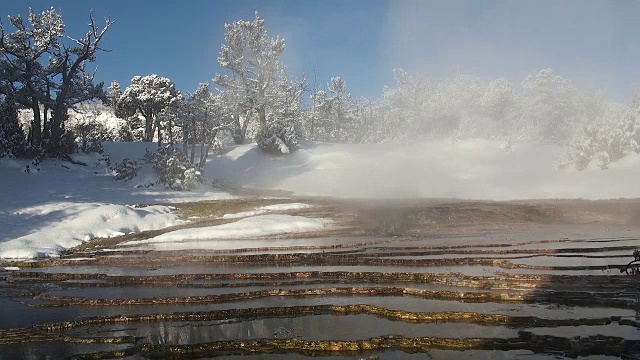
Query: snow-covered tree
[612, 136]
[368, 114]
[205, 118]
[252, 60]
[403, 107]
[285, 116]
[498, 100]
[333, 113]
[58, 82]
[318, 112]
[548, 105]
[113, 94]
[148, 96]
[341, 122]
[288, 100]
[23, 72]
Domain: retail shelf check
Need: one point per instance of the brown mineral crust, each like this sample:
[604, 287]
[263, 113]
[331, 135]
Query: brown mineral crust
[568, 298]
[48, 332]
[599, 345]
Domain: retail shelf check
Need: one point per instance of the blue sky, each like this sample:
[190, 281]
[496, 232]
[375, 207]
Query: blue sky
[589, 42]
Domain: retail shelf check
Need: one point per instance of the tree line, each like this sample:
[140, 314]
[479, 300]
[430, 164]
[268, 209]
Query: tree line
[255, 96]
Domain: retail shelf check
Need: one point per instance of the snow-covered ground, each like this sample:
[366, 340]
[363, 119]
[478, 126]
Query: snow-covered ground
[467, 169]
[266, 209]
[62, 205]
[205, 237]
[82, 222]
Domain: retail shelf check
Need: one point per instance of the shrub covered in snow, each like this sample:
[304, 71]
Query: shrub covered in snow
[126, 170]
[90, 135]
[192, 179]
[174, 169]
[280, 137]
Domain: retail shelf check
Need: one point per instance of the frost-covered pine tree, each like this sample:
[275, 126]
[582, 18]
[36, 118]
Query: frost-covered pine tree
[287, 103]
[404, 116]
[317, 114]
[341, 123]
[283, 130]
[148, 96]
[205, 119]
[23, 72]
[42, 67]
[549, 107]
[251, 58]
[497, 102]
[113, 94]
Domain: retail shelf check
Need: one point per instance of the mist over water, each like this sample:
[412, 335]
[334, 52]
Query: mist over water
[492, 101]
[467, 169]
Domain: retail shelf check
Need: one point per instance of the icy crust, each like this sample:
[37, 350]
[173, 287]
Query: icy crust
[262, 225]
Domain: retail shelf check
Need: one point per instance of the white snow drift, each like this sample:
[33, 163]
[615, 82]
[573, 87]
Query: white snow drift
[83, 223]
[57, 205]
[262, 225]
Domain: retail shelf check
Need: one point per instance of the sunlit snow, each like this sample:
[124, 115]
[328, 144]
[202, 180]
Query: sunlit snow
[265, 209]
[204, 237]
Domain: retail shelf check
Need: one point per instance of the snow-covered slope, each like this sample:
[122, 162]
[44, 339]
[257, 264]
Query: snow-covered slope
[80, 222]
[467, 169]
[61, 205]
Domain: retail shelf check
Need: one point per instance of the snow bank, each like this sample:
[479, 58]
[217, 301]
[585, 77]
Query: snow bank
[263, 225]
[265, 209]
[83, 222]
[467, 169]
[57, 204]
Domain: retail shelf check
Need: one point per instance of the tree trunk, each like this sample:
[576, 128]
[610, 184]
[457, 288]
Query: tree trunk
[204, 154]
[59, 114]
[36, 125]
[159, 134]
[193, 150]
[313, 126]
[149, 123]
[185, 137]
[148, 128]
[46, 125]
[239, 131]
[262, 116]
[339, 125]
